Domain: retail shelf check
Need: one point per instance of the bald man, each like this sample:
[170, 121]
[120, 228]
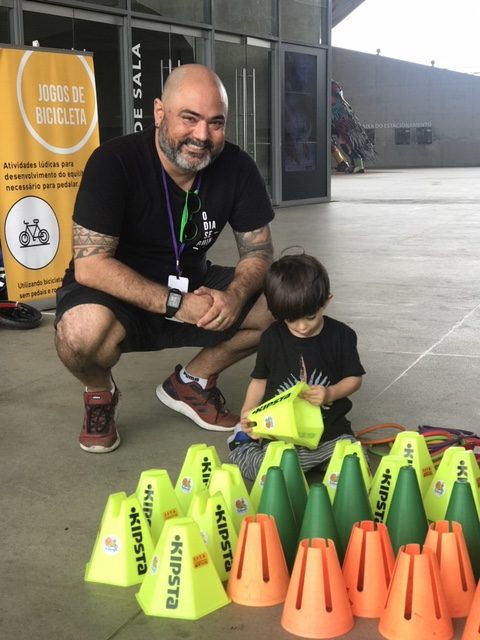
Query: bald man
[149, 207]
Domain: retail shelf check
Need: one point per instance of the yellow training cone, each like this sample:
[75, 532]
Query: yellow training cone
[158, 499]
[217, 528]
[383, 485]
[124, 546]
[272, 458]
[195, 473]
[332, 474]
[289, 418]
[228, 480]
[181, 581]
[412, 446]
[457, 463]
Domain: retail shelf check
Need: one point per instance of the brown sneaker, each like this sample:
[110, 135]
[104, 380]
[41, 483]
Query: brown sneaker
[206, 407]
[99, 433]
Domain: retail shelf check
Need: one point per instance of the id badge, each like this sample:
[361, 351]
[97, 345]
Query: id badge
[180, 283]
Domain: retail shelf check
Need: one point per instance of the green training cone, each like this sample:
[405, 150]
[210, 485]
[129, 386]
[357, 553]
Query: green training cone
[228, 480]
[457, 463]
[275, 502]
[344, 448]
[318, 520]
[296, 482]
[272, 458]
[181, 581]
[350, 504]
[158, 499]
[461, 508]
[407, 522]
[198, 465]
[217, 528]
[124, 545]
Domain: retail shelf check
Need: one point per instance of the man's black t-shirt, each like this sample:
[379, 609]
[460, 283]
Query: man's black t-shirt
[325, 359]
[122, 195]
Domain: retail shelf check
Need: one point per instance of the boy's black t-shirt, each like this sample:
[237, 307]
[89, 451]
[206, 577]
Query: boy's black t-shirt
[325, 359]
[122, 195]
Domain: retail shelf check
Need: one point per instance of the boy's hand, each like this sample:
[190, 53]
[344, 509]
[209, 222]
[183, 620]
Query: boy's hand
[247, 425]
[316, 394]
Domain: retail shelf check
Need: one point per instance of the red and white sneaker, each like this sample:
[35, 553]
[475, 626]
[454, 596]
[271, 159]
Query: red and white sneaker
[99, 432]
[206, 407]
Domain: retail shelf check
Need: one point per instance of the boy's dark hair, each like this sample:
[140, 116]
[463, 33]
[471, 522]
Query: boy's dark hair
[296, 286]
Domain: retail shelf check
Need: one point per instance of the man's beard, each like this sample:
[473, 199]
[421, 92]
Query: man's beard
[173, 151]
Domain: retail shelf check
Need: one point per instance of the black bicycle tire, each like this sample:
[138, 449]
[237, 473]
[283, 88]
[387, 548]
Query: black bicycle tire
[18, 315]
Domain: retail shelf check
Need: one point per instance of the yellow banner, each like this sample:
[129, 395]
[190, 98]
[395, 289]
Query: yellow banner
[48, 129]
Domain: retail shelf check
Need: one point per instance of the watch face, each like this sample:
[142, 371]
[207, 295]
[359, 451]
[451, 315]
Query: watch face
[174, 299]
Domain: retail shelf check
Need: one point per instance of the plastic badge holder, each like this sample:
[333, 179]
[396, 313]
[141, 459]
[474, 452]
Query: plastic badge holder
[290, 418]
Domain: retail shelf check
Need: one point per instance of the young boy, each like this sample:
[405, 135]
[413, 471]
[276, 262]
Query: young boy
[302, 345]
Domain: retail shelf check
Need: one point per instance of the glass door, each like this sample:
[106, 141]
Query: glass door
[305, 152]
[244, 65]
[156, 50]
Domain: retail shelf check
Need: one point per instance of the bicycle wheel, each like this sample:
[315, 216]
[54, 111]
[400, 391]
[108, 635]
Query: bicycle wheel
[17, 315]
[24, 239]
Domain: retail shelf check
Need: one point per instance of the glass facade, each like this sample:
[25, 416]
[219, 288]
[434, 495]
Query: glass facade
[154, 55]
[5, 25]
[191, 10]
[304, 21]
[68, 32]
[255, 17]
[270, 54]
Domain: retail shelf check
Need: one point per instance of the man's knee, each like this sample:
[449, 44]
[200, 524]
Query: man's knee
[87, 328]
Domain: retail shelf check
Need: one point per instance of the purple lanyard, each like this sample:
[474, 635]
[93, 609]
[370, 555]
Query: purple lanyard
[177, 248]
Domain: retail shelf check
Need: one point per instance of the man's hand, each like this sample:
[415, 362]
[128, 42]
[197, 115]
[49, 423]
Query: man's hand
[223, 311]
[194, 307]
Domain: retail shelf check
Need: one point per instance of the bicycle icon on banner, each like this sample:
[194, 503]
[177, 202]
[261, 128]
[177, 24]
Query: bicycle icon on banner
[32, 235]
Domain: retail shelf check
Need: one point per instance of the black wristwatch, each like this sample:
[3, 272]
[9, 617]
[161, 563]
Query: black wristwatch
[174, 302]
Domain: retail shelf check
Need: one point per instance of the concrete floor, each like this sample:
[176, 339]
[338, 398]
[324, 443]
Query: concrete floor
[402, 251]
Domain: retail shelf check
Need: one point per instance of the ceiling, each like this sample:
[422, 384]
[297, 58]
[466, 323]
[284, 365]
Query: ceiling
[341, 9]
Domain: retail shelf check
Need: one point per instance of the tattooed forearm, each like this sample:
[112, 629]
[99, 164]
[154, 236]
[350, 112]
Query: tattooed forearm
[88, 243]
[255, 244]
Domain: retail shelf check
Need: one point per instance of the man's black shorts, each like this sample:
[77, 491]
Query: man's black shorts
[147, 331]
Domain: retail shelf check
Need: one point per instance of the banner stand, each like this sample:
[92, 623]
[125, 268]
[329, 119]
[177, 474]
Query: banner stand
[48, 130]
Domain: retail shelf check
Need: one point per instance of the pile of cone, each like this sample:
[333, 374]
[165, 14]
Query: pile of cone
[354, 545]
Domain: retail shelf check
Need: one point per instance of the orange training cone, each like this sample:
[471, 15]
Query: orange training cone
[259, 575]
[317, 604]
[368, 567]
[471, 630]
[447, 541]
[416, 606]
